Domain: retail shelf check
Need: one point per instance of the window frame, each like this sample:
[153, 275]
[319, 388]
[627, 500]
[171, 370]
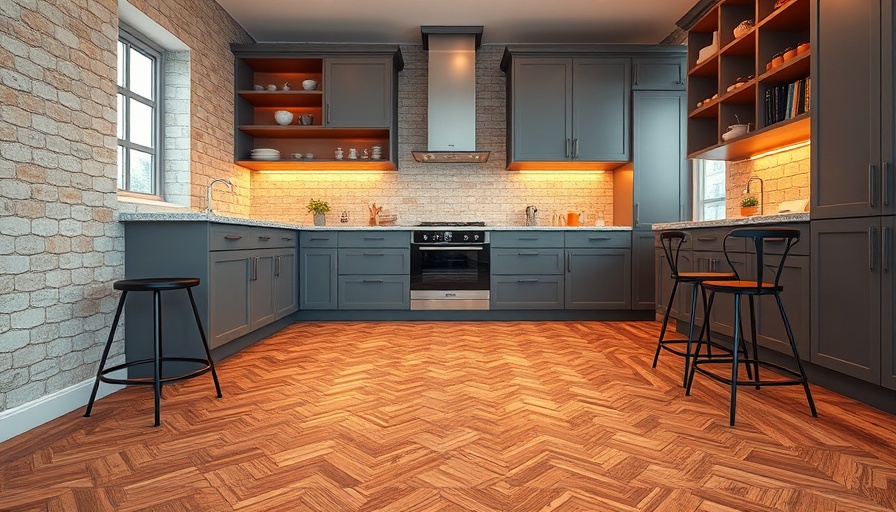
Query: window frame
[132, 38]
[700, 199]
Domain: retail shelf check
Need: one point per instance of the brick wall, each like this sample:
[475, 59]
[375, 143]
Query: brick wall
[785, 177]
[60, 247]
[438, 191]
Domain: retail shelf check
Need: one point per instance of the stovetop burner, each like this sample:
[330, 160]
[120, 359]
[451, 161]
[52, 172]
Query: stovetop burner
[452, 223]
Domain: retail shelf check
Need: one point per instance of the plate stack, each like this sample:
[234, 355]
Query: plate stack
[376, 153]
[265, 154]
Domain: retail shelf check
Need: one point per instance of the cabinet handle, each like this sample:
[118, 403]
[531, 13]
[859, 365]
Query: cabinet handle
[568, 262]
[527, 253]
[598, 238]
[575, 146]
[328, 113]
[872, 235]
[527, 238]
[680, 78]
[374, 238]
[325, 239]
[264, 238]
[277, 266]
[286, 238]
[374, 254]
[707, 238]
[567, 147]
[886, 254]
[373, 281]
[886, 183]
[637, 213]
[253, 263]
[637, 69]
[871, 186]
[527, 280]
[232, 237]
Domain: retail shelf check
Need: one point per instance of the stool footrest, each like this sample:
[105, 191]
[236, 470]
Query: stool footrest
[149, 380]
[751, 382]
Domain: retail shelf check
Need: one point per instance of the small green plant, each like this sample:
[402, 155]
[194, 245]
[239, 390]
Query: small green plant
[749, 201]
[316, 206]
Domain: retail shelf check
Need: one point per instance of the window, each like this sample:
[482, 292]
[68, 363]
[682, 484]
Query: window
[140, 66]
[709, 175]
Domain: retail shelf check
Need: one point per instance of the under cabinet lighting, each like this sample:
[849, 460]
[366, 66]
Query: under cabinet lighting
[565, 171]
[781, 150]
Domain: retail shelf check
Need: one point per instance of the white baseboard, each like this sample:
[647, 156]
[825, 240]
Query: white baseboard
[23, 418]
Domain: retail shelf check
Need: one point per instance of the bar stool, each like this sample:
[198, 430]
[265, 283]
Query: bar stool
[672, 241]
[740, 287]
[156, 286]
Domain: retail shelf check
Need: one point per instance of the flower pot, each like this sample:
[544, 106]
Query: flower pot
[320, 219]
[748, 211]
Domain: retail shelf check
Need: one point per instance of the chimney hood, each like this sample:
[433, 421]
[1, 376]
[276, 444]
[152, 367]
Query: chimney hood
[451, 109]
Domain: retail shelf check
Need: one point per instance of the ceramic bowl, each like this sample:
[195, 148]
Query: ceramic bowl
[309, 85]
[283, 117]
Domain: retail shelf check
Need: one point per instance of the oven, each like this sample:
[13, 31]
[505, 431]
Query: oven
[450, 269]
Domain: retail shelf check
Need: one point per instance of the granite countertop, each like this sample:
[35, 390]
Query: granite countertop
[778, 218]
[225, 219]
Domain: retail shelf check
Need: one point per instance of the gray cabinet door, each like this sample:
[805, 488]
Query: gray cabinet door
[527, 292]
[527, 261]
[888, 303]
[795, 279]
[665, 74]
[847, 169]
[285, 284]
[541, 98]
[722, 315]
[229, 274]
[846, 296]
[643, 270]
[660, 172]
[374, 261]
[601, 102]
[374, 292]
[317, 278]
[358, 92]
[261, 288]
[598, 279]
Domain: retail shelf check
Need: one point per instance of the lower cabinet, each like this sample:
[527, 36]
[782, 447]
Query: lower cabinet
[527, 270]
[598, 270]
[529, 291]
[317, 269]
[374, 270]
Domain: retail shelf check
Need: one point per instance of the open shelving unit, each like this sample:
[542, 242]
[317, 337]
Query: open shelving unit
[730, 86]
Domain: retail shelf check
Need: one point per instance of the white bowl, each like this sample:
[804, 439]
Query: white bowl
[309, 85]
[283, 117]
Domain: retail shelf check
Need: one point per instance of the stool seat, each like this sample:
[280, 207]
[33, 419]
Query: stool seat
[155, 283]
[690, 277]
[743, 287]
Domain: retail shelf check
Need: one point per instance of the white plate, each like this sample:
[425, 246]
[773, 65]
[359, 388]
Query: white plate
[256, 157]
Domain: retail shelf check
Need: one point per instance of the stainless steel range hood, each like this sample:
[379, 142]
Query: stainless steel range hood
[452, 95]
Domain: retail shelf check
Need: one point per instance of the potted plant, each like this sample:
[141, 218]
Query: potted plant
[749, 206]
[319, 209]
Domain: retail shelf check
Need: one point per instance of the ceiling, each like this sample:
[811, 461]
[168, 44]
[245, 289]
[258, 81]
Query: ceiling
[504, 21]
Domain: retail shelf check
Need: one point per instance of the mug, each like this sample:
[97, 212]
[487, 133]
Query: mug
[572, 219]
[306, 119]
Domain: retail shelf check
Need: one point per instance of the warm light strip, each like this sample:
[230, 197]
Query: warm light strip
[336, 171]
[781, 150]
[565, 171]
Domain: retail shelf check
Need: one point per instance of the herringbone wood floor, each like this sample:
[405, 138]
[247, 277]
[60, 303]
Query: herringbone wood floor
[457, 417]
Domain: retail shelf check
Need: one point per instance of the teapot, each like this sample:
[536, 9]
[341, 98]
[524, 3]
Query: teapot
[572, 218]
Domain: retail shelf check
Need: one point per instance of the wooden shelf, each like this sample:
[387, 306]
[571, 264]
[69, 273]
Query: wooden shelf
[317, 165]
[312, 132]
[301, 98]
[778, 135]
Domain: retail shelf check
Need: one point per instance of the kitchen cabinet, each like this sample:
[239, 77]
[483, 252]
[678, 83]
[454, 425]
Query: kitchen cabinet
[666, 74]
[353, 105]
[734, 84]
[567, 110]
[374, 270]
[527, 270]
[598, 270]
[644, 271]
[317, 270]
[853, 143]
[852, 297]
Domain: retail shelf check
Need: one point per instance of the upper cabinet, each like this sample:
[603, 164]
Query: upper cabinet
[854, 138]
[748, 63]
[569, 107]
[336, 96]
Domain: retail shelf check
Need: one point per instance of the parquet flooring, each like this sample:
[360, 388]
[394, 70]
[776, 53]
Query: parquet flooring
[456, 416]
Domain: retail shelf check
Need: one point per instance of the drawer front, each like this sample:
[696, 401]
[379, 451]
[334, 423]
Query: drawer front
[399, 239]
[712, 240]
[527, 261]
[777, 245]
[317, 239]
[598, 239]
[272, 237]
[229, 237]
[374, 261]
[527, 239]
[527, 292]
[374, 292]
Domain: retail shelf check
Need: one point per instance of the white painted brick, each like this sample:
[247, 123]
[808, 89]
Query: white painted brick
[13, 340]
[14, 264]
[14, 302]
[26, 393]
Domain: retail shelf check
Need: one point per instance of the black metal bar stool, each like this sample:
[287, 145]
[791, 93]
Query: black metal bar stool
[740, 287]
[156, 286]
[672, 242]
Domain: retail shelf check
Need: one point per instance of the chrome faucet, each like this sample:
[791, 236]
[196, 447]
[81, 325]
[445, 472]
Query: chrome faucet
[208, 192]
[747, 191]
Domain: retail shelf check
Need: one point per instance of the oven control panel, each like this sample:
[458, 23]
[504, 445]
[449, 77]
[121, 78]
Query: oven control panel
[450, 237]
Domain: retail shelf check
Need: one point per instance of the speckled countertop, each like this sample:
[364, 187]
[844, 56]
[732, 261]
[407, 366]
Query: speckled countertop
[778, 218]
[224, 219]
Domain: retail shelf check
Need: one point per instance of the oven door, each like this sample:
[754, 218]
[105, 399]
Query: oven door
[449, 267]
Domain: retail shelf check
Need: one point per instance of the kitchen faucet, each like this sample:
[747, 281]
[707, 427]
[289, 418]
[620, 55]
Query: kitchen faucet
[747, 191]
[208, 192]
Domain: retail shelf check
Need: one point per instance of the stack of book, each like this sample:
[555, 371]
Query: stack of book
[786, 101]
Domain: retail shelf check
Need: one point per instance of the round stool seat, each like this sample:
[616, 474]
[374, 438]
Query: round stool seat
[155, 283]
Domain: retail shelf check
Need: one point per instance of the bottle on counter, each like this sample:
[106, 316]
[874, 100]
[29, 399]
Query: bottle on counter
[600, 219]
[554, 219]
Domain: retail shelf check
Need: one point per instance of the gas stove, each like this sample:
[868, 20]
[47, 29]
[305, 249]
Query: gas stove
[452, 223]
